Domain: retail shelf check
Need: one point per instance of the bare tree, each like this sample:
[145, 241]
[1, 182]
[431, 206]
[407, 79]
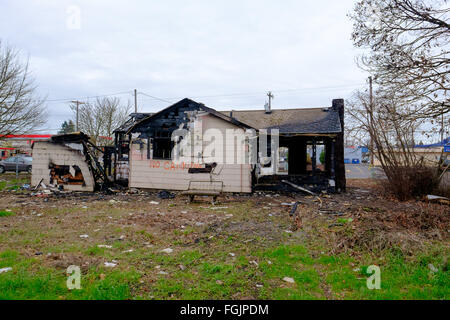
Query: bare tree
[409, 50]
[387, 122]
[100, 118]
[21, 109]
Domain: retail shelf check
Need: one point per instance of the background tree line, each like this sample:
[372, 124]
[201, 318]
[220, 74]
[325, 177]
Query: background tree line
[98, 119]
[23, 111]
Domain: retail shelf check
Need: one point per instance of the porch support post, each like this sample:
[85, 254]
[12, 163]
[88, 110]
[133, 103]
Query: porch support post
[314, 156]
[328, 143]
[333, 160]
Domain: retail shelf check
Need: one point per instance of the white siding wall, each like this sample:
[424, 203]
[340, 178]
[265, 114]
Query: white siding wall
[165, 174]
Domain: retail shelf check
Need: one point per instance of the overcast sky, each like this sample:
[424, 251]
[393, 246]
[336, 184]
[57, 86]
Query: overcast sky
[226, 54]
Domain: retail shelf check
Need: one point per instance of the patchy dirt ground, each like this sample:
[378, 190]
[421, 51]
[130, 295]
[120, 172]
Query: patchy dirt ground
[380, 221]
[222, 251]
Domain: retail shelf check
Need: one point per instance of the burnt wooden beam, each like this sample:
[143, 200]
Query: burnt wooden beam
[328, 155]
[314, 157]
[341, 183]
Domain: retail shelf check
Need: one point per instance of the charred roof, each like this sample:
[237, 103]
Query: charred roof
[73, 137]
[182, 106]
[134, 117]
[288, 121]
[301, 120]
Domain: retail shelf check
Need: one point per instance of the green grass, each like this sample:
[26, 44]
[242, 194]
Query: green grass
[294, 262]
[13, 184]
[219, 276]
[400, 278]
[201, 266]
[344, 276]
[28, 280]
[4, 213]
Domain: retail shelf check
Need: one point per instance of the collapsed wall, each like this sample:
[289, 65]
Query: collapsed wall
[63, 165]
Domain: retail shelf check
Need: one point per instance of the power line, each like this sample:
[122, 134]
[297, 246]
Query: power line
[225, 95]
[250, 94]
[285, 90]
[156, 98]
[44, 130]
[87, 97]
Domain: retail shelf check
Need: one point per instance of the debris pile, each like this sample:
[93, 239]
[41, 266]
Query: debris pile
[437, 199]
[3, 270]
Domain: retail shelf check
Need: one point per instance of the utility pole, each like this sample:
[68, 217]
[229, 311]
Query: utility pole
[135, 101]
[77, 104]
[442, 126]
[371, 120]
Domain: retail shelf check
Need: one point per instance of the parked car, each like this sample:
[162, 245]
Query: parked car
[23, 163]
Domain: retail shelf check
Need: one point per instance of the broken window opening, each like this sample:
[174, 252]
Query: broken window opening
[315, 157]
[283, 161]
[162, 145]
[149, 148]
[162, 148]
[66, 175]
[123, 147]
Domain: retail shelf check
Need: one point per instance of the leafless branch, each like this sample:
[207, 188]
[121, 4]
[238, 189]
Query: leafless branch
[21, 110]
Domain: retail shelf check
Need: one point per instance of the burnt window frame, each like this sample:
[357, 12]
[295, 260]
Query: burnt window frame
[165, 137]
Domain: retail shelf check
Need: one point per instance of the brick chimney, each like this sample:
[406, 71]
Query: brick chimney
[338, 105]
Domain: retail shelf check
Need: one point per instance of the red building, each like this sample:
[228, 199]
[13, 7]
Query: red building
[14, 144]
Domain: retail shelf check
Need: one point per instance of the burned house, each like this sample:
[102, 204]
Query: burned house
[122, 148]
[145, 151]
[302, 132]
[189, 146]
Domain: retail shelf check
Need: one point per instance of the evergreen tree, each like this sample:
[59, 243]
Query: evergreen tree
[67, 127]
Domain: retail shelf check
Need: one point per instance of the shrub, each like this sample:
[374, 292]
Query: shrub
[410, 182]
